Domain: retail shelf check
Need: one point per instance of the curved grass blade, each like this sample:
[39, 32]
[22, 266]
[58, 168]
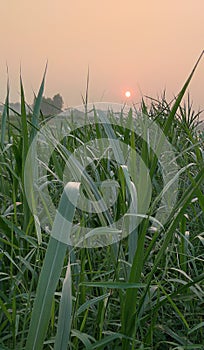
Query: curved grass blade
[83, 337]
[91, 302]
[101, 344]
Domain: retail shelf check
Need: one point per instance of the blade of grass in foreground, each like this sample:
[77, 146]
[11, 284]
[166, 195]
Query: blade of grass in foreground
[24, 132]
[36, 110]
[65, 313]
[4, 117]
[25, 143]
[51, 270]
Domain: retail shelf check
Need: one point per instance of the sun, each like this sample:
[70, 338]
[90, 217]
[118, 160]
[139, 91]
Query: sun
[127, 94]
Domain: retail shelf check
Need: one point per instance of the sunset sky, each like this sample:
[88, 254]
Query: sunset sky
[141, 46]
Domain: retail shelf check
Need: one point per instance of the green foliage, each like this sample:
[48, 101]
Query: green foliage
[145, 292]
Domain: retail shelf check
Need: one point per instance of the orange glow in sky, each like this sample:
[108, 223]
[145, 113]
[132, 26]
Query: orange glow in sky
[123, 43]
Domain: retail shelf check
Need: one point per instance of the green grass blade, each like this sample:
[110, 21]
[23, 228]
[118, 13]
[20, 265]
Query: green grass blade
[129, 307]
[84, 338]
[91, 302]
[180, 96]
[200, 325]
[36, 109]
[103, 342]
[115, 285]
[174, 306]
[181, 208]
[65, 313]
[129, 311]
[51, 271]
[25, 143]
[24, 133]
[4, 118]
[172, 114]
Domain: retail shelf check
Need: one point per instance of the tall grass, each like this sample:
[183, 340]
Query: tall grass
[144, 292]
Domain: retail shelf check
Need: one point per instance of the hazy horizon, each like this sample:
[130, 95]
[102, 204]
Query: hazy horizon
[138, 46]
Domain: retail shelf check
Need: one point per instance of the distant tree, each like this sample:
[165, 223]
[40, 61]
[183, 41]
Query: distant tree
[51, 106]
[58, 101]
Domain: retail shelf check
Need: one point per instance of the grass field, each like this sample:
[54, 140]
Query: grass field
[145, 291]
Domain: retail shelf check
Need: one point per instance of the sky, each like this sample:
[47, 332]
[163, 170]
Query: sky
[141, 46]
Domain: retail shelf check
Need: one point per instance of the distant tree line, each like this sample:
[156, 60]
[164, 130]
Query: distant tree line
[14, 107]
[52, 106]
[49, 106]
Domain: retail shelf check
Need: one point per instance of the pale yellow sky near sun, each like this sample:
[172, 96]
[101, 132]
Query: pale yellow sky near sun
[141, 46]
